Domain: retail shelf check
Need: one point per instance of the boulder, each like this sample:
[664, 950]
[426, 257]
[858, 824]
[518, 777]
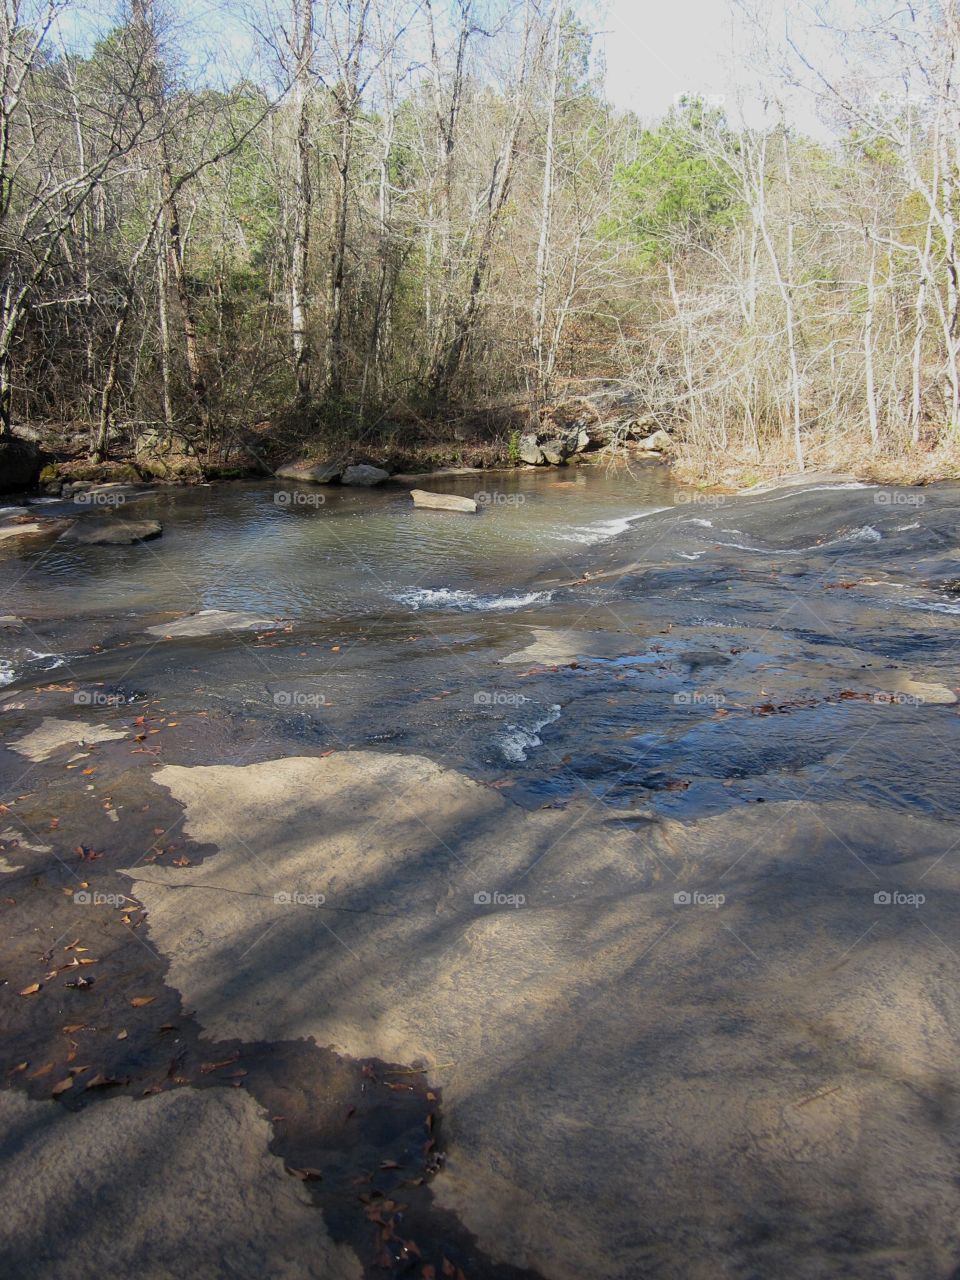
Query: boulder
[112, 533]
[656, 443]
[442, 501]
[556, 451]
[530, 451]
[19, 464]
[364, 475]
[637, 428]
[310, 472]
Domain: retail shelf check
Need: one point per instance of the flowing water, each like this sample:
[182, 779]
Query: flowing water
[759, 691]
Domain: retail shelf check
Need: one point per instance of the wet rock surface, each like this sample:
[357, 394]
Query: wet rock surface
[714, 755]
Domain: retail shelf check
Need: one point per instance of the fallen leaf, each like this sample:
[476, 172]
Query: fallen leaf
[62, 1086]
[138, 1002]
[101, 1081]
[305, 1175]
[32, 990]
[122, 1035]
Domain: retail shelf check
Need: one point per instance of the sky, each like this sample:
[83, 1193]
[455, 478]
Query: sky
[657, 49]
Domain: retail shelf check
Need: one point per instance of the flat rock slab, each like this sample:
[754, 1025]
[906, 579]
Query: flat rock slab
[211, 622]
[442, 501]
[179, 1184]
[52, 734]
[364, 475]
[801, 480]
[29, 528]
[608, 1042]
[311, 472]
[112, 533]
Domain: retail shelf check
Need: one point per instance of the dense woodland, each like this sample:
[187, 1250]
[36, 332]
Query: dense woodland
[407, 211]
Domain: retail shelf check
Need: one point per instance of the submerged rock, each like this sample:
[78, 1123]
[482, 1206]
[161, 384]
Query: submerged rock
[442, 501]
[26, 528]
[310, 472]
[364, 475]
[210, 622]
[112, 533]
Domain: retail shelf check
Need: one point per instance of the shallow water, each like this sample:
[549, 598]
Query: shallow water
[419, 630]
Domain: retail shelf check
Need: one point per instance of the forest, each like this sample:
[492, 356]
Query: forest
[392, 219]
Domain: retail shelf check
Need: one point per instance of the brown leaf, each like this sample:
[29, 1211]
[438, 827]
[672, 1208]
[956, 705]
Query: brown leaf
[138, 1002]
[71, 1027]
[305, 1175]
[100, 1081]
[122, 1035]
[62, 1086]
[207, 1067]
[32, 990]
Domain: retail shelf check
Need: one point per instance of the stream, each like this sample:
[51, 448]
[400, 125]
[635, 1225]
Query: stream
[745, 703]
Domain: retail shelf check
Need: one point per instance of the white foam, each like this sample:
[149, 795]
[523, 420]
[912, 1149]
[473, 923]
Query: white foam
[605, 529]
[8, 672]
[448, 598]
[517, 740]
[866, 533]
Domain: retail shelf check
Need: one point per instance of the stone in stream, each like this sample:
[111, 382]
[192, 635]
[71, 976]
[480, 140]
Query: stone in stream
[442, 501]
[210, 622]
[310, 472]
[112, 533]
[364, 475]
[28, 527]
